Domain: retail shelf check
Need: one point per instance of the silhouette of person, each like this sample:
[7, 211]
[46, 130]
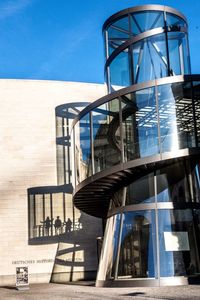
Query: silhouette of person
[68, 225]
[47, 225]
[80, 222]
[58, 225]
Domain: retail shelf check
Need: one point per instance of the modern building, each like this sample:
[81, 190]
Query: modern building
[136, 152]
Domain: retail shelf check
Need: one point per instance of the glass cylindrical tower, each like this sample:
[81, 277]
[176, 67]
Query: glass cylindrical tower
[137, 152]
[145, 43]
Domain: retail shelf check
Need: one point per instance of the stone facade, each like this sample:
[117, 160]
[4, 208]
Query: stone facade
[29, 159]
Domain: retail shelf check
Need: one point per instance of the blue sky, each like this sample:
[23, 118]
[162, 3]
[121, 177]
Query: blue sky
[62, 39]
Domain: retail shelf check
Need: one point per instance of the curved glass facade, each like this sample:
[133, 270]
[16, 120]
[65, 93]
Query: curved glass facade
[137, 152]
[139, 124]
[157, 225]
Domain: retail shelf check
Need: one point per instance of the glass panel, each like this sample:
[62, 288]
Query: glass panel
[115, 245]
[142, 21]
[196, 97]
[178, 53]
[138, 245]
[194, 180]
[186, 55]
[176, 117]
[83, 148]
[173, 20]
[140, 125]
[114, 44]
[122, 24]
[118, 33]
[109, 249]
[196, 216]
[141, 190]
[119, 71]
[117, 199]
[172, 184]
[177, 240]
[106, 135]
[150, 54]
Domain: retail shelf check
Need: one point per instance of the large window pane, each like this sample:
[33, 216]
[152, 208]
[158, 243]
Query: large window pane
[118, 33]
[150, 54]
[83, 149]
[141, 190]
[138, 245]
[172, 184]
[120, 71]
[109, 249]
[176, 117]
[173, 20]
[106, 135]
[177, 241]
[146, 20]
[178, 53]
[140, 124]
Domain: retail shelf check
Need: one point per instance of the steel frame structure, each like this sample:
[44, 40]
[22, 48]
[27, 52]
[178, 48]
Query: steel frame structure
[94, 192]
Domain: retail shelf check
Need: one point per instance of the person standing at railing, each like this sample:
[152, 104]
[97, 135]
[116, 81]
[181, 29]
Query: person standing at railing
[47, 225]
[58, 225]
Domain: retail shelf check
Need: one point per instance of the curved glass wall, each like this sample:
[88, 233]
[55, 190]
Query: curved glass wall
[143, 123]
[153, 220]
[153, 239]
[157, 42]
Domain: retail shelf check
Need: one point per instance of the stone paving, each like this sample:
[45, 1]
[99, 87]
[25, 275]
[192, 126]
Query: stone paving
[72, 292]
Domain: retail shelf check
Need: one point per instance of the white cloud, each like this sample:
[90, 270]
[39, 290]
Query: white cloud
[12, 7]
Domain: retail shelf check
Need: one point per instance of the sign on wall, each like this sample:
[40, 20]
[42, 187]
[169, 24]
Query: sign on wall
[22, 277]
[176, 241]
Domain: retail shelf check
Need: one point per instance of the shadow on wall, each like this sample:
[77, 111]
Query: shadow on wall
[53, 217]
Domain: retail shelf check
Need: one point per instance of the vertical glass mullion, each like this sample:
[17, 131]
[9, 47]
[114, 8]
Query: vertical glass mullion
[120, 235]
[121, 130]
[181, 57]
[118, 246]
[158, 118]
[107, 69]
[92, 143]
[166, 41]
[157, 231]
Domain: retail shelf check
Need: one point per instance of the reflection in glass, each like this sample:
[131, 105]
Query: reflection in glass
[172, 184]
[178, 53]
[150, 54]
[119, 71]
[140, 124]
[194, 179]
[176, 117]
[173, 20]
[146, 20]
[138, 245]
[177, 242]
[83, 149]
[109, 249]
[106, 135]
[141, 190]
